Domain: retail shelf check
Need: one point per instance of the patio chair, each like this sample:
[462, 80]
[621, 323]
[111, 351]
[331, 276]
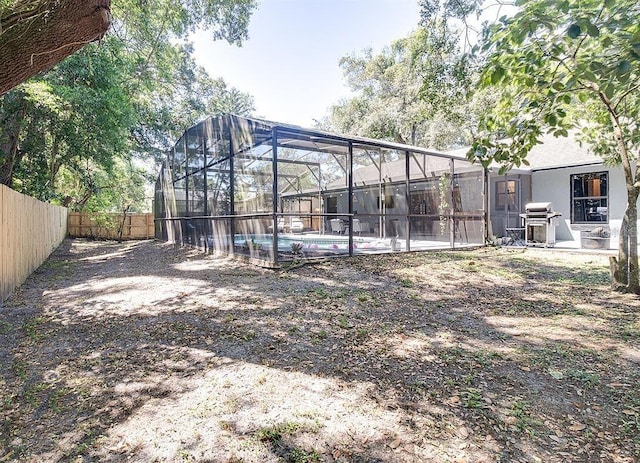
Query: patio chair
[357, 226]
[336, 226]
[280, 224]
[296, 226]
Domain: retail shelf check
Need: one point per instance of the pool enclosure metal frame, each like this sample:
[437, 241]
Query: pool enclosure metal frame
[227, 181]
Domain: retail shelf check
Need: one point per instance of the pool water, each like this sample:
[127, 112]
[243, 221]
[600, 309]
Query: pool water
[314, 242]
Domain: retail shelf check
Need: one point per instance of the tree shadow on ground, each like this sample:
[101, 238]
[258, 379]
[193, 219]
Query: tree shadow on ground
[144, 352]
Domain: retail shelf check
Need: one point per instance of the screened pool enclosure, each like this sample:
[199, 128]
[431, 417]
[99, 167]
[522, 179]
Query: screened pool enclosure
[277, 192]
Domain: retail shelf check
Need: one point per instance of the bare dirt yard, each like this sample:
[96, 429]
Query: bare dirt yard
[141, 352]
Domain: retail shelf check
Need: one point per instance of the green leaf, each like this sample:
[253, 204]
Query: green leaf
[497, 75]
[588, 75]
[593, 30]
[623, 67]
[609, 90]
[596, 66]
[574, 31]
[504, 169]
[551, 120]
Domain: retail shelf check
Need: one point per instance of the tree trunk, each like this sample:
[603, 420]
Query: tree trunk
[623, 252]
[121, 224]
[617, 277]
[32, 42]
[624, 269]
[632, 219]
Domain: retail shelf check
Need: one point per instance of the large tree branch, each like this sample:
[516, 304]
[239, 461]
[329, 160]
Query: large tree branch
[620, 142]
[632, 89]
[40, 41]
[27, 12]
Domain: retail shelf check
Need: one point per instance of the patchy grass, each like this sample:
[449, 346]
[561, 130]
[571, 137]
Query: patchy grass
[276, 436]
[144, 352]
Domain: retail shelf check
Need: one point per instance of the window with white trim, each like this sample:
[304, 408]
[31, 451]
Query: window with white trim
[505, 196]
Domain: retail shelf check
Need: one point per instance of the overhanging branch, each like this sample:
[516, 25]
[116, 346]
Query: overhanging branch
[35, 42]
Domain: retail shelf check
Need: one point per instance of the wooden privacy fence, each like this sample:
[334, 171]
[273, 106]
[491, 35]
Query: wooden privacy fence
[29, 231]
[108, 226]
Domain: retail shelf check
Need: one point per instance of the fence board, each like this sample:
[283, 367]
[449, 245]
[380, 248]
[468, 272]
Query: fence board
[29, 231]
[105, 226]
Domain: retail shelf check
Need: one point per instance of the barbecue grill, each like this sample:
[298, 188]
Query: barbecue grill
[540, 221]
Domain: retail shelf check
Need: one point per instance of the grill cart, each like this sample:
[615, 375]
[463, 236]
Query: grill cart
[540, 221]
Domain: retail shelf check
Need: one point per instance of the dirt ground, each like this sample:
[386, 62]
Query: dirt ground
[141, 352]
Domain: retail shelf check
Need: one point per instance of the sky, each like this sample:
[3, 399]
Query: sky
[290, 63]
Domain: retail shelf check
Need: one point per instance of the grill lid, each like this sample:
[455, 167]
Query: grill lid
[538, 207]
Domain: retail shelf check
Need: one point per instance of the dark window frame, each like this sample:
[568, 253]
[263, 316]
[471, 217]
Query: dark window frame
[587, 208]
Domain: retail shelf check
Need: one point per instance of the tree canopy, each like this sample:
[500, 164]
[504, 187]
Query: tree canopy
[37, 34]
[568, 64]
[415, 91]
[67, 134]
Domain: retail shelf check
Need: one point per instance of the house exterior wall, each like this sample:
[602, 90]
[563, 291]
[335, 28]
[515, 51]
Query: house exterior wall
[554, 185]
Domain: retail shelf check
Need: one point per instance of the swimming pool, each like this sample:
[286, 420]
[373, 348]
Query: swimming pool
[311, 243]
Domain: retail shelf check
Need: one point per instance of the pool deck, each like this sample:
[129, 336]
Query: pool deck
[370, 244]
[574, 246]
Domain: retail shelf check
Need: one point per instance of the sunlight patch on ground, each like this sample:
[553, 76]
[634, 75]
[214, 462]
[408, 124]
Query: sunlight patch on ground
[141, 295]
[584, 333]
[208, 263]
[122, 253]
[404, 346]
[236, 402]
[231, 412]
[538, 328]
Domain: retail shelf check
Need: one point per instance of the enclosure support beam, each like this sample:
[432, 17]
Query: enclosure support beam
[204, 176]
[274, 164]
[232, 195]
[424, 163]
[350, 195]
[206, 193]
[382, 224]
[407, 227]
[452, 220]
[485, 206]
[186, 170]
